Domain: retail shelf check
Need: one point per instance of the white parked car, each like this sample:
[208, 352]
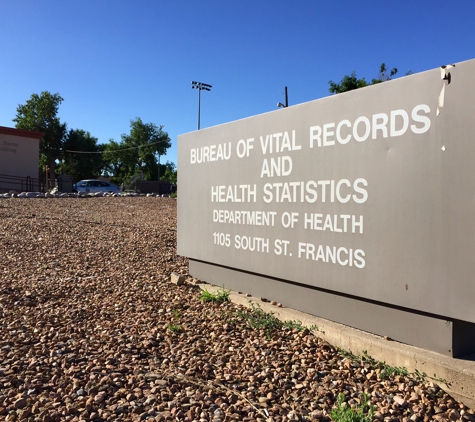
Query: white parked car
[95, 186]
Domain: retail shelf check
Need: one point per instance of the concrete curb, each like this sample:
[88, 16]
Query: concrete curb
[458, 374]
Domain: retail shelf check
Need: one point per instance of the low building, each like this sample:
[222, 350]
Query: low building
[19, 160]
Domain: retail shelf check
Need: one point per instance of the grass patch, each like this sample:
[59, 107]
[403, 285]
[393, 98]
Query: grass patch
[348, 355]
[297, 325]
[218, 296]
[293, 325]
[388, 371]
[259, 319]
[360, 413]
[174, 328]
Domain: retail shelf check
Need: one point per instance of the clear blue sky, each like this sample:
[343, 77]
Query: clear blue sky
[115, 60]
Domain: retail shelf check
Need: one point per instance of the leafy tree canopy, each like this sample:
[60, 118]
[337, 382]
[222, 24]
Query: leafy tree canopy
[115, 160]
[82, 155]
[350, 82]
[140, 150]
[171, 173]
[79, 153]
[39, 113]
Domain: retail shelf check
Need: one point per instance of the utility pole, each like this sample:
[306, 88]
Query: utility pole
[286, 100]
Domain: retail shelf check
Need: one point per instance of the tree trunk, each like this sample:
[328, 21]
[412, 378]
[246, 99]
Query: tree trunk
[52, 178]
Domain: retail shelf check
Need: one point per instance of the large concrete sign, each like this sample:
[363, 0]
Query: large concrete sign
[367, 195]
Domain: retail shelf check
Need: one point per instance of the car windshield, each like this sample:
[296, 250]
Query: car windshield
[96, 185]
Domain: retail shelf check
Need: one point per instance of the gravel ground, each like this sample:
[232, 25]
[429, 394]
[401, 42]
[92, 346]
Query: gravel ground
[91, 328]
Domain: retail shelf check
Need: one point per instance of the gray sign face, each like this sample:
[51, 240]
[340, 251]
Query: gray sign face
[369, 193]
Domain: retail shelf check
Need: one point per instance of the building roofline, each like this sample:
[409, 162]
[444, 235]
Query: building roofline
[21, 132]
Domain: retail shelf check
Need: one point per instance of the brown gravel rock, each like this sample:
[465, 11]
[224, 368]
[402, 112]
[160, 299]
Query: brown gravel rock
[92, 329]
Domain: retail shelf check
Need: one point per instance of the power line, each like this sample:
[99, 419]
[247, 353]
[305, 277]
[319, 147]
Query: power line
[117, 150]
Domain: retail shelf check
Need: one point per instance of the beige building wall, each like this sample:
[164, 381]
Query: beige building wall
[19, 158]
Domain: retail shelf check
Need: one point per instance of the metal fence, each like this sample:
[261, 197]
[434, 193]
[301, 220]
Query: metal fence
[20, 184]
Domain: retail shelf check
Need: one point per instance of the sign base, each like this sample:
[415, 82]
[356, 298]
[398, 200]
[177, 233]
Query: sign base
[453, 338]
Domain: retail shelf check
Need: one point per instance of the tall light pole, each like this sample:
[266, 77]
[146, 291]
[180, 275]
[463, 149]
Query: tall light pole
[200, 86]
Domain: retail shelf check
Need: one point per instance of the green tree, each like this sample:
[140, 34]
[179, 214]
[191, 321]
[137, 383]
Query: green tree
[151, 142]
[170, 174]
[383, 74]
[82, 155]
[138, 151]
[350, 82]
[40, 114]
[115, 161]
